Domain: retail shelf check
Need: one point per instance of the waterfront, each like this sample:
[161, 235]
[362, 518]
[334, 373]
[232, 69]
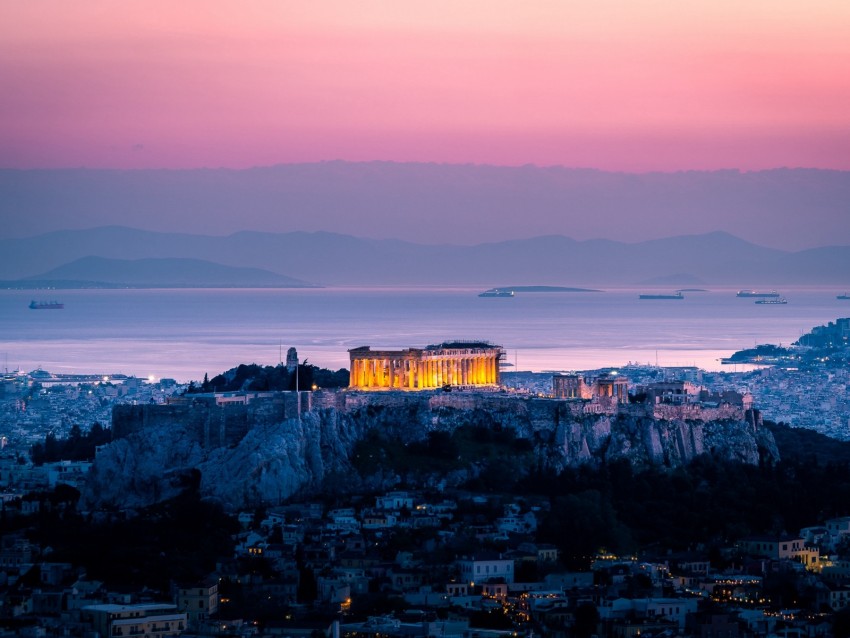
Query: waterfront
[183, 334]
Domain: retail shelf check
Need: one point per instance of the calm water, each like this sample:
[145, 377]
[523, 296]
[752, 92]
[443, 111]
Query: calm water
[186, 333]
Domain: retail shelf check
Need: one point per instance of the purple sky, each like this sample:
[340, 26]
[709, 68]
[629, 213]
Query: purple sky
[614, 85]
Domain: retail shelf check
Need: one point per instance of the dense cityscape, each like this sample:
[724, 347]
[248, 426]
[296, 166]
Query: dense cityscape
[485, 555]
[418, 319]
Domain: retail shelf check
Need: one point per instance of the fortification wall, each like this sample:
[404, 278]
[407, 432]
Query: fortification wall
[210, 425]
[695, 412]
[129, 419]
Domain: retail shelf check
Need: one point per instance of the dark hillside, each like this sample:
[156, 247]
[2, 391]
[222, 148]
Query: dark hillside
[801, 444]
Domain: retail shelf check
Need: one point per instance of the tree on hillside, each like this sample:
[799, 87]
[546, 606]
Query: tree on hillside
[78, 446]
[271, 379]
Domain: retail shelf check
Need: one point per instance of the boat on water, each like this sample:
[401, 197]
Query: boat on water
[46, 305]
[846, 295]
[675, 295]
[757, 293]
[779, 300]
[497, 292]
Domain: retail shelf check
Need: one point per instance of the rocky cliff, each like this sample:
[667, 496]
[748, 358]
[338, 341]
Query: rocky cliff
[276, 458]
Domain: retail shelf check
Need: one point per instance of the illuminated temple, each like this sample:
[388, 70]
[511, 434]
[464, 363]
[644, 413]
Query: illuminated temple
[460, 364]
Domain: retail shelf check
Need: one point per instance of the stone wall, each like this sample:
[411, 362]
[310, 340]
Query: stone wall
[213, 424]
[696, 412]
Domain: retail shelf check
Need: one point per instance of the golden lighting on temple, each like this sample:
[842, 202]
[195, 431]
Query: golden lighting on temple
[455, 363]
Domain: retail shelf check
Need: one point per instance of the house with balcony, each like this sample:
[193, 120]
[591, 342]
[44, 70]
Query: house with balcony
[154, 620]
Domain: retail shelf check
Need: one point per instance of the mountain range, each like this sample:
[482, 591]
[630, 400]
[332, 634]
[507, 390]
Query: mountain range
[426, 203]
[125, 255]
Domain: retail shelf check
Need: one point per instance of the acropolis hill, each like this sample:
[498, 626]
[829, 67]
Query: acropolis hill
[255, 448]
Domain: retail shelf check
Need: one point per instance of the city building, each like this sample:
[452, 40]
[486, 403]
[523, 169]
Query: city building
[150, 620]
[198, 600]
[486, 566]
[838, 527]
[774, 547]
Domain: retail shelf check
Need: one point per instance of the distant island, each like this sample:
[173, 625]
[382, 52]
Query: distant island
[545, 289]
[101, 272]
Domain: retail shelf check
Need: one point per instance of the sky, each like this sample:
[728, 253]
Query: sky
[626, 85]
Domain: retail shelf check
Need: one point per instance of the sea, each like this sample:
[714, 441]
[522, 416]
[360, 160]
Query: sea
[186, 333]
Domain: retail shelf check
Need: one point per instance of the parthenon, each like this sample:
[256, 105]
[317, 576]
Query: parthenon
[453, 363]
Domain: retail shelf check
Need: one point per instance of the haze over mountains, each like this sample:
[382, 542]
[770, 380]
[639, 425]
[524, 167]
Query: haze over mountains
[385, 223]
[790, 209]
[283, 259]
[161, 273]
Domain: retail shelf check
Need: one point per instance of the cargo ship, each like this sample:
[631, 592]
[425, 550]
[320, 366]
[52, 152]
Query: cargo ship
[46, 305]
[497, 292]
[675, 295]
[844, 296]
[756, 293]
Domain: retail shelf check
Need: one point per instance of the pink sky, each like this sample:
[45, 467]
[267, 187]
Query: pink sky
[633, 85]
